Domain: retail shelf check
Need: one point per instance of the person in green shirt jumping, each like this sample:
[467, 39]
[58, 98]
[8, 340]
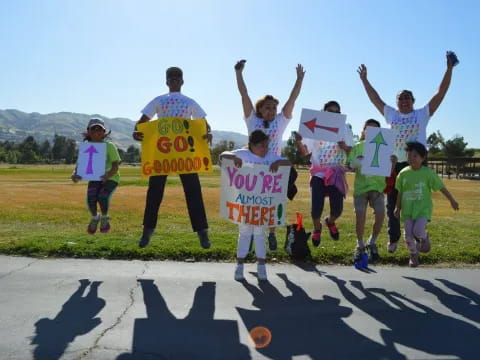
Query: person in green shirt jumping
[415, 184]
[100, 192]
[367, 190]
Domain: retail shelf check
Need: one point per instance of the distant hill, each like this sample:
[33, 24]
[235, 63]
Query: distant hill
[16, 125]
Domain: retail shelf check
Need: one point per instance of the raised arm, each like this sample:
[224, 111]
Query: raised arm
[301, 147]
[242, 88]
[442, 90]
[371, 92]
[288, 107]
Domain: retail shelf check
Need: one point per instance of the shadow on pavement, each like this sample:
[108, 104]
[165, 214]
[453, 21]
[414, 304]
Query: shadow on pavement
[77, 317]
[198, 336]
[300, 325]
[467, 305]
[413, 324]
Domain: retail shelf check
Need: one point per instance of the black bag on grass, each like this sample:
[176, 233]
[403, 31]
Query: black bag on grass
[296, 242]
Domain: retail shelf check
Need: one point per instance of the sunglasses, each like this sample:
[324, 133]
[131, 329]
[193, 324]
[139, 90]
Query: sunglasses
[96, 128]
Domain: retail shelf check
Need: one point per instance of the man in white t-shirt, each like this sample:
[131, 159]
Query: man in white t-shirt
[411, 125]
[169, 105]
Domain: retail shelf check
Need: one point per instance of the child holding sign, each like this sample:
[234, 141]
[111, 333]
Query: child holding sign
[367, 190]
[100, 192]
[327, 176]
[257, 153]
[264, 116]
[414, 201]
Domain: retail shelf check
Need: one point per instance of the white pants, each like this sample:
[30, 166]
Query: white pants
[245, 234]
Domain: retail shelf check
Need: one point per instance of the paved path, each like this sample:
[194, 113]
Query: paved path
[98, 309]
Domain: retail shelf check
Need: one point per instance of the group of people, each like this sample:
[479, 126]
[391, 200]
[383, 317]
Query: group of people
[408, 189]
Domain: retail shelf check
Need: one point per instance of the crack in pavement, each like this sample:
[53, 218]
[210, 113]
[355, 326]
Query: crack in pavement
[20, 269]
[119, 318]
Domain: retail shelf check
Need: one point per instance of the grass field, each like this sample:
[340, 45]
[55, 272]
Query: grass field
[42, 213]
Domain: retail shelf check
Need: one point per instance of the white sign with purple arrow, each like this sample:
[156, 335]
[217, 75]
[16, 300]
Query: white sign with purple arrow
[322, 125]
[91, 160]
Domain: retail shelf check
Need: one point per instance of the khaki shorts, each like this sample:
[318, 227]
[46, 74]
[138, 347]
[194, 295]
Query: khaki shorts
[375, 199]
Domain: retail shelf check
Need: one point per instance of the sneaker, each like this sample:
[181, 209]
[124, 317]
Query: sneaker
[203, 237]
[413, 260]
[239, 272]
[272, 241]
[360, 258]
[262, 272]
[104, 224]
[358, 255]
[392, 246]
[423, 245]
[145, 239]
[332, 229]
[373, 253]
[92, 227]
[316, 237]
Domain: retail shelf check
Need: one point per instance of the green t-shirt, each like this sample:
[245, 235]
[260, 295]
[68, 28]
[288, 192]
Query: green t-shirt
[111, 156]
[364, 183]
[416, 187]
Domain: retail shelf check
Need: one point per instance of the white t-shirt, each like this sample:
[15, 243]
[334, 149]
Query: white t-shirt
[327, 153]
[409, 127]
[174, 104]
[249, 157]
[274, 131]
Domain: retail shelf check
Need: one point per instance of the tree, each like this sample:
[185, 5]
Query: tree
[435, 144]
[222, 146]
[45, 151]
[457, 147]
[28, 151]
[58, 148]
[71, 151]
[291, 153]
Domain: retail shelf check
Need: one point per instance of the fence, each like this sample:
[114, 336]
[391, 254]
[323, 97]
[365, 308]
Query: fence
[461, 168]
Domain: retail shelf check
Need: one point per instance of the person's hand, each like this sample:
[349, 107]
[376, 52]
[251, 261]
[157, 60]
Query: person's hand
[454, 204]
[76, 178]
[237, 162]
[297, 136]
[208, 137]
[362, 71]
[137, 135]
[396, 212]
[450, 64]
[300, 72]
[104, 178]
[274, 166]
[356, 163]
[342, 145]
[240, 65]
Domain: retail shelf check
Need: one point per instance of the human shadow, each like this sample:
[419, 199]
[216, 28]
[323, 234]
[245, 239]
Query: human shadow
[467, 305]
[300, 325]
[77, 317]
[197, 336]
[422, 328]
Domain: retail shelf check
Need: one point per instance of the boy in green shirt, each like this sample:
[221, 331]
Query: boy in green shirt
[367, 190]
[415, 184]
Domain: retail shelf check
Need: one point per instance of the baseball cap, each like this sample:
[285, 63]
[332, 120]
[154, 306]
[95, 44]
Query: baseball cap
[96, 122]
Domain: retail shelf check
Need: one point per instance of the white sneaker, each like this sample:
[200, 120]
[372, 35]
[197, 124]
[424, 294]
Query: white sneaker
[262, 272]
[239, 272]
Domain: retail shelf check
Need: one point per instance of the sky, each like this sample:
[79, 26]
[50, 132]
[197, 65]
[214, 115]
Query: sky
[109, 57]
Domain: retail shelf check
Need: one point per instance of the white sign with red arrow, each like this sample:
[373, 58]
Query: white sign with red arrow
[322, 125]
[91, 160]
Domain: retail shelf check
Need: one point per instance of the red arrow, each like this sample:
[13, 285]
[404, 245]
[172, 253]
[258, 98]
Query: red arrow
[311, 125]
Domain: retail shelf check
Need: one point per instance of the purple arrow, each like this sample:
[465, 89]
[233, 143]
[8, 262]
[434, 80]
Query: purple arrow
[91, 150]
